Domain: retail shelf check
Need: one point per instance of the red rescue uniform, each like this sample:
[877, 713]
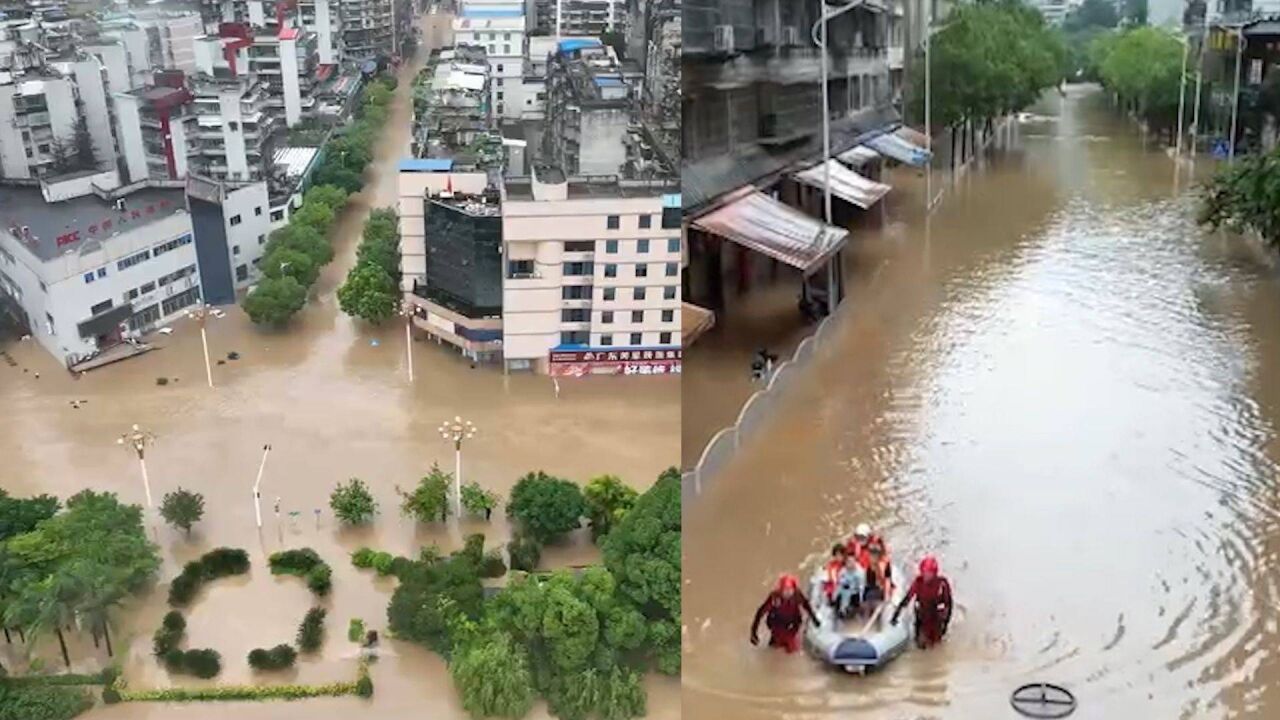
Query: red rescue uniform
[933, 608]
[784, 616]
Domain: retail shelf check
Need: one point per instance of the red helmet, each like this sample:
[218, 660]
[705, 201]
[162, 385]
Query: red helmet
[929, 565]
[788, 582]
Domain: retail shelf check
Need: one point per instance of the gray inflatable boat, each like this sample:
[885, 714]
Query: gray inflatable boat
[856, 645]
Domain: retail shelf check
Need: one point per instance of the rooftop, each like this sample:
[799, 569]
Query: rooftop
[54, 229]
[593, 75]
[474, 205]
[600, 187]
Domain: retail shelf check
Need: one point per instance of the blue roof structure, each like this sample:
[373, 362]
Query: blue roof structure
[608, 82]
[482, 12]
[426, 165]
[573, 44]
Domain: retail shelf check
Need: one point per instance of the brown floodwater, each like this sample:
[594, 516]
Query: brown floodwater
[1066, 389]
[333, 405]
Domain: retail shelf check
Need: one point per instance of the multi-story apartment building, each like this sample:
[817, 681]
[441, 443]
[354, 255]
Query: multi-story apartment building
[589, 110]
[38, 114]
[498, 27]
[576, 18]
[157, 129]
[591, 281]
[368, 28]
[452, 115]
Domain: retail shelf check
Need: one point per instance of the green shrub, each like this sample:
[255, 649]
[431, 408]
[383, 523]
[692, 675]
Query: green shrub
[203, 663]
[382, 562]
[110, 696]
[174, 659]
[478, 501]
[400, 566]
[101, 678]
[42, 702]
[164, 640]
[277, 658]
[320, 580]
[363, 558]
[184, 588]
[240, 692]
[473, 548]
[355, 630]
[294, 562]
[311, 631]
[364, 683]
[492, 566]
[222, 562]
[525, 553]
[173, 620]
[546, 507]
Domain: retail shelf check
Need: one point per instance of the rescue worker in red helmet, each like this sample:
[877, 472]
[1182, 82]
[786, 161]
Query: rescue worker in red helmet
[785, 608]
[932, 594]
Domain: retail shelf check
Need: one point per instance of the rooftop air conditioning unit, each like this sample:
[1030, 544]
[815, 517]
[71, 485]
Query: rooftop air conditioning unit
[724, 38]
[790, 36]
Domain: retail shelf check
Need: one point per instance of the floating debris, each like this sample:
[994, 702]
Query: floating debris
[233, 355]
[162, 381]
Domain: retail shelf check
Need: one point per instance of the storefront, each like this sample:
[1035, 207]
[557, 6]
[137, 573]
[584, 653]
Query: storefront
[634, 361]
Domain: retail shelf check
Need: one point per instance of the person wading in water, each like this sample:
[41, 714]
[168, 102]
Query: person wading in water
[785, 608]
[932, 594]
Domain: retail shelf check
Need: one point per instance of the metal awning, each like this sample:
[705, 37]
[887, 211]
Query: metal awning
[899, 148]
[846, 183]
[858, 155]
[694, 321]
[757, 221]
[105, 321]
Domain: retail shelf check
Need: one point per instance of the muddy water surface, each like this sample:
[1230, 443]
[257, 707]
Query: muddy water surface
[1069, 392]
[333, 405]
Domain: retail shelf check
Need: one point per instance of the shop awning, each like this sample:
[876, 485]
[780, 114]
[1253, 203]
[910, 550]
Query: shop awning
[758, 222]
[858, 155]
[845, 183]
[899, 148]
[694, 321]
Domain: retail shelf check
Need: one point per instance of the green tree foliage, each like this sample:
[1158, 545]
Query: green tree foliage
[311, 631]
[1135, 12]
[277, 658]
[182, 508]
[477, 500]
[493, 678]
[315, 215]
[1143, 67]
[333, 197]
[1245, 196]
[546, 507]
[287, 262]
[429, 501]
[42, 702]
[303, 239]
[525, 553]
[380, 245]
[352, 503]
[432, 596]
[1091, 14]
[217, 563]
[369, 294]
[274, 301]
[643, 553]
[607, 500]
[612, 694]
[21, 515]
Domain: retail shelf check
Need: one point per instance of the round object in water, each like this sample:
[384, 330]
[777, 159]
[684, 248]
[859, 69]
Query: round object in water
[1043, 700]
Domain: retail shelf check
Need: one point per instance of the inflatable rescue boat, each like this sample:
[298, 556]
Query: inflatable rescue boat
[857, 644]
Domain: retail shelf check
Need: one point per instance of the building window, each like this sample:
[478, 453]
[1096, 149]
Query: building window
[88, 278]
[610, 294]
[575, 292]
[103, 306]
[637, 316]
[637, 339]
[242, 273]
[575, 337]
[147, 287]
[668, 316]
[499, 96]
[102, 272]
[580, 246]
[502, 109]
[669, 292]
[613, 222]
[606, 317]
[262, 240]
[611, 246]
[642, 247]
[235, 249]
[517, 269]
[277, 215]
[131, 295]
[673, 245]
[671, 217]
[493, 36]
[664, 338]
[257, 212]
[499, 68]
[235, 220]
[574, 269]
[606, 340]
[646, 222]
[506, 36]
[574, 315]
[610, 270]
[133, 259]
[642, 270]
[672, 269]
[499, 85]
[637, 293]
[506, 49]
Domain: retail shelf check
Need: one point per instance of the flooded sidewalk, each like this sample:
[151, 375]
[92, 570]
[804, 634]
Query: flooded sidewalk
[1067, 390]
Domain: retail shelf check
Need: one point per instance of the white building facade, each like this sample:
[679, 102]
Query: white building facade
[499, 27]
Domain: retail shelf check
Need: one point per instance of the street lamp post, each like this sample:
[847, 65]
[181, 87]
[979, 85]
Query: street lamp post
[457, 430]
[1235, 105]
[138, 439]
[200, 312]
[406, 310]
[257, 496]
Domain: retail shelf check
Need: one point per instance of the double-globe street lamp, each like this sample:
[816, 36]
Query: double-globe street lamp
[200, 312]
[456, 431]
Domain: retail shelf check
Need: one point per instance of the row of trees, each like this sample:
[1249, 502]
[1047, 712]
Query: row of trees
[372, 289]
[1245, 197]
[70, 569]
[989, 59]
[582, 641]
[428, 501]
[296, 253]
[1143, 68]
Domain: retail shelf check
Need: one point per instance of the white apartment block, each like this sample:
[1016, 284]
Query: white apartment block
[592, 275]
[37, 117]
[498, 27]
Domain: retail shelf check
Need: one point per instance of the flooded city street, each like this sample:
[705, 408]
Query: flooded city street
[1063, 387]
[333, 399]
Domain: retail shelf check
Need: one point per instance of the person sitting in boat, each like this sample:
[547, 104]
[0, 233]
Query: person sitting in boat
[879, 580]
[932, 594]
[853, 582]
[832, 572]
[785, 608]
[861, 543]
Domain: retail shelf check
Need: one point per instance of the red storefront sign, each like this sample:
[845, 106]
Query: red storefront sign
[580, 363]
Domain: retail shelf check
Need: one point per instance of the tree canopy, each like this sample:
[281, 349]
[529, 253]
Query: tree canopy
[1143, 67]
[1245, 196]
[429, 501]
[369, 294]
[352, 503]
[275, 300]
[546, 507]
[182, 508]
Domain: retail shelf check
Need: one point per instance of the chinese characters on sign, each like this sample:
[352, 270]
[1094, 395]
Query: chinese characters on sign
[579, 363]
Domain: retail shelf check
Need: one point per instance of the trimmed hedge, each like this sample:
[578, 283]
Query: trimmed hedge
[276, 658]
[311, 631]
[306, 564]
[239, 692]
[363, 558]
[217, 563]
[101, 678]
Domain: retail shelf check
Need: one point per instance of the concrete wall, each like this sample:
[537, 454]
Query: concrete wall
[289, 78]
[247, 238]
[129, 132]
[115, 58]
[233, 140]
[13, 154]
[602, 153]
[93, 95]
